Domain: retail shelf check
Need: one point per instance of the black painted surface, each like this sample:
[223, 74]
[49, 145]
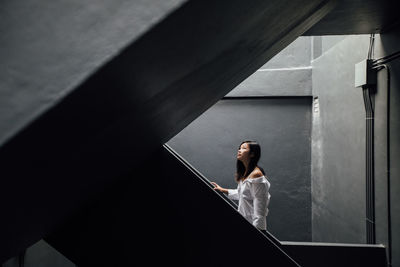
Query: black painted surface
[332, 255]
[162, 212]
[40, 254]
[184, 223]
[282, 126]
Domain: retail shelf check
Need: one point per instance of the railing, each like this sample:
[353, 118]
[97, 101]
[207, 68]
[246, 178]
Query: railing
[199, 175]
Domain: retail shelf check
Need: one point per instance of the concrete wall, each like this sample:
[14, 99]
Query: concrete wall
[286, 74]
[48, 49]
[338, 175]
[338, 133]
[387, 44]
[279, 117]
[282, 127]
[338, 145]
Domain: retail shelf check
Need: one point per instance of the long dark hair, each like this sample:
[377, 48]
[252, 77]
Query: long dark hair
[255, 154]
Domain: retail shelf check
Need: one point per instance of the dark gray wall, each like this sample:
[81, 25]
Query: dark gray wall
[286, 74]
[338, 144]
[338, 175]
[387, 44]
[282, 126]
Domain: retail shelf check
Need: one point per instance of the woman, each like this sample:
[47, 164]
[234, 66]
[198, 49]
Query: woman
[253, 187]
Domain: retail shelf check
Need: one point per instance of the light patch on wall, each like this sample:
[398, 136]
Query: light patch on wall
[316, 105]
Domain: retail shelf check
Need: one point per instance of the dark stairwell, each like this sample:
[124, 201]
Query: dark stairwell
[58, 169]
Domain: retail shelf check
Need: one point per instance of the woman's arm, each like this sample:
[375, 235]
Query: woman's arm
[260, 200]
[218, 188]
[232, 193]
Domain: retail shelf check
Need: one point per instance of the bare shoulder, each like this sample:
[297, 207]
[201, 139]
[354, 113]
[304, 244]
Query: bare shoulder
[256, 173]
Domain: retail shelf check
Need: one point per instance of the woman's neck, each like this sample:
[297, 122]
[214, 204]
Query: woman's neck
[246, 165]
[247, 171]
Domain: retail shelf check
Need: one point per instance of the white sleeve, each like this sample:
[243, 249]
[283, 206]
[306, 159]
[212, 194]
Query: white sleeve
[233, 194]
[260, 200]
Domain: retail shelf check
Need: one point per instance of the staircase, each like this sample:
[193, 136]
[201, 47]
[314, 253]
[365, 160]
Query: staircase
[84, 166]
[191, 225]
[305, 253]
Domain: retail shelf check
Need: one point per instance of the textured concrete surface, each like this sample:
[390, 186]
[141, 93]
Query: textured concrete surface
[338, 153]
[282, 127]
[286, 74]
[297, 54]
[48, 49]
[279, 82]
[338, 144]
[387, 44]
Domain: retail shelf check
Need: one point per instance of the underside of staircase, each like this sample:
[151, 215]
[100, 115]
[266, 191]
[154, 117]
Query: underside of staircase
[84, 165]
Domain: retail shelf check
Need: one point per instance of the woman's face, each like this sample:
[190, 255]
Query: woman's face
[243, 153]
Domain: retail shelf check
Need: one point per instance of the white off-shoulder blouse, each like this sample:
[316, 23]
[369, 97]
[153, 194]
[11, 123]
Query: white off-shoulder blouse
[253, 195]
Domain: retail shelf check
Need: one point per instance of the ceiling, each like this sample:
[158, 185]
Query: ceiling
[357, 17]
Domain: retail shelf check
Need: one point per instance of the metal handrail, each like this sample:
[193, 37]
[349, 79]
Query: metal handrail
[204, 179]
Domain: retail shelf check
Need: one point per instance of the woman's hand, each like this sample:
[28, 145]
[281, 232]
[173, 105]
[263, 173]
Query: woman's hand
[218, 188]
